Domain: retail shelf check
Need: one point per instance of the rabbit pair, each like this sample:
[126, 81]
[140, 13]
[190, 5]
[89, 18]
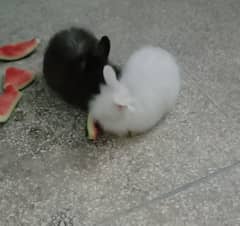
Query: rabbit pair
[73, 64]
[147, 90]
[76, 66]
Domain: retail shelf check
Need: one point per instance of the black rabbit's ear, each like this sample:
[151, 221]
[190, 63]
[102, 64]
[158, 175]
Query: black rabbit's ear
[103, 47]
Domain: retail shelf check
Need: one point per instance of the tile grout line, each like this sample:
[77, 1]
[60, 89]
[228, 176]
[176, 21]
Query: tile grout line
[170, 193]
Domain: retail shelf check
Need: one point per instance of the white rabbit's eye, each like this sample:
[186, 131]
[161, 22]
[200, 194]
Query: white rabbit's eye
[120, 107]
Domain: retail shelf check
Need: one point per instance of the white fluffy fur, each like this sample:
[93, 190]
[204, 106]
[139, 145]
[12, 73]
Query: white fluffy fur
[147, 90]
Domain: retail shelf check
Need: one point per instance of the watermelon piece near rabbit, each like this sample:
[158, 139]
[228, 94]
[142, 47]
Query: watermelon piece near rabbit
[92, 129]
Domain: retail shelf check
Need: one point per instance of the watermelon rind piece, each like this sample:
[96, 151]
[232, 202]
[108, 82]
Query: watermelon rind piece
[18, 77]
[19, 50]
[8, 101]
[92, 130]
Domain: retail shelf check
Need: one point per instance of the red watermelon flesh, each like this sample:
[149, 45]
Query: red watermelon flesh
[17, 77]
[18, 50]
[8, 100]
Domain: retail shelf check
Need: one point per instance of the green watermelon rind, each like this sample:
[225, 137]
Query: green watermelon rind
[92, 130]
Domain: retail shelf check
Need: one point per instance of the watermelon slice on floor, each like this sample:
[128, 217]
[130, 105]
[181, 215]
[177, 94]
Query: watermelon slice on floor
[16, 51]
[8, 100]
[17, 77]
[92, 129]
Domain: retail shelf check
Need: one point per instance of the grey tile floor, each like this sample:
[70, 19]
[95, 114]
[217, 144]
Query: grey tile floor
[184, 172]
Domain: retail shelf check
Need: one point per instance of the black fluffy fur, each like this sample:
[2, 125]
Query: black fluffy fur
[73, 65]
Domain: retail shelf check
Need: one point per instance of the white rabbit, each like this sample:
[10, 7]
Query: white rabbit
[147, 90]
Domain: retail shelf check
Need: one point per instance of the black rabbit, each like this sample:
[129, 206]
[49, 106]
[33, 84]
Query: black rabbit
[73, 64]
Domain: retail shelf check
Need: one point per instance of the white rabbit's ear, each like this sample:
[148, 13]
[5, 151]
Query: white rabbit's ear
[110, 76]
